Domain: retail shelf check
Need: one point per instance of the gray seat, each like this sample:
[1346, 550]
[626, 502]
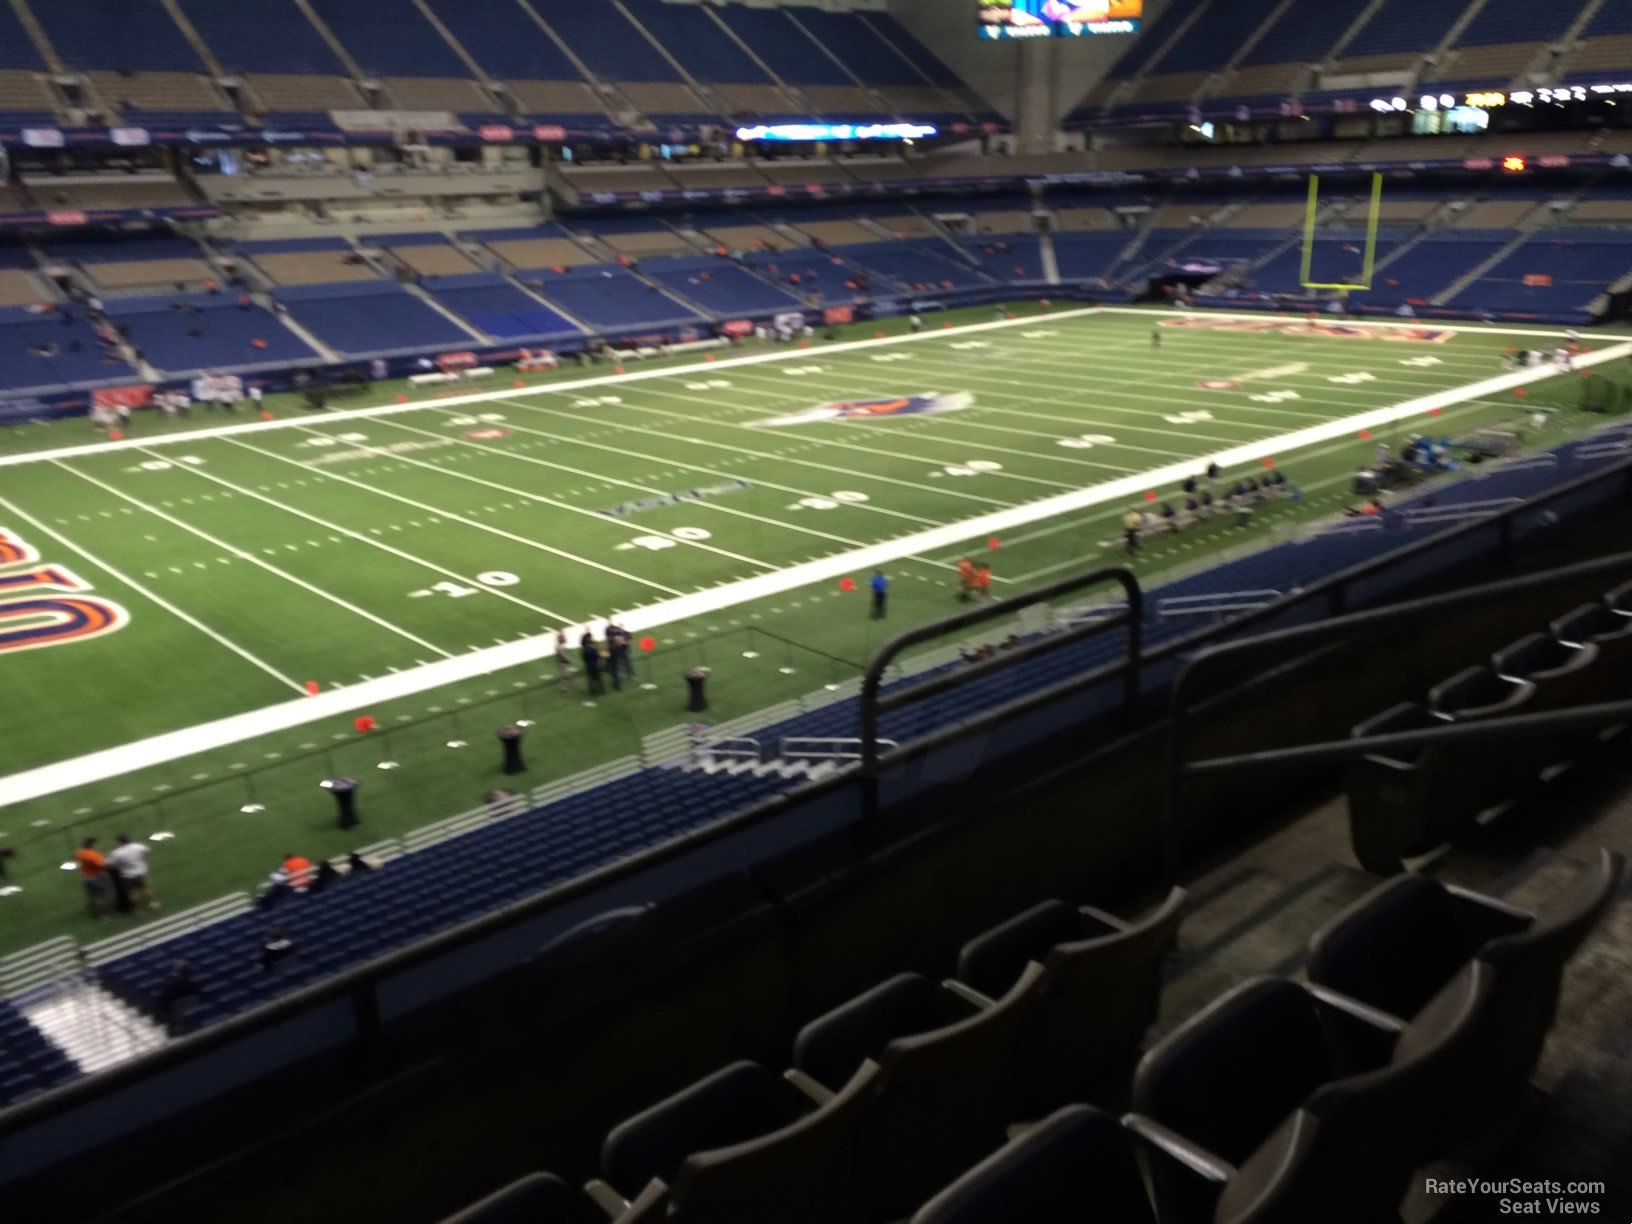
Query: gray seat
[1098, 995]
[1074, 1166]
[1606, 625]
[538, 1198]
[1565, 674]
[1396, 948]
[737, 1103]
[803, 1173]
[1474, 695]
[1284, 1104]
[1405, 802]
[946, 1090]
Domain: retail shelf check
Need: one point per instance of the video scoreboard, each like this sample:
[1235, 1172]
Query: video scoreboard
[1059, 18]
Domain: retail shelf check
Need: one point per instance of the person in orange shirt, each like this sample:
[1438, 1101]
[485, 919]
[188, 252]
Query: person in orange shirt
[983, 581]
[298, 871]
[93, 872]
[966, 580]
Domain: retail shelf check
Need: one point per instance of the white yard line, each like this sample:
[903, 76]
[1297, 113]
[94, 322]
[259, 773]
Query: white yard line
[245, 555]
[174, 745]
[370, 540]
[579, 384]
[22, 515]
[848, 474]
[715, 472]
[553, 503]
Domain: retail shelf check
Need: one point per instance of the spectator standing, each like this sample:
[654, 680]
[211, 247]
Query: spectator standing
[563, 662]
[128, 861]
[617, 647]
[881, 593]
[93, 873]
[591, 655]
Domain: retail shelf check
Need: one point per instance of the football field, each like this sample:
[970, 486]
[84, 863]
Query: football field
[169, 603]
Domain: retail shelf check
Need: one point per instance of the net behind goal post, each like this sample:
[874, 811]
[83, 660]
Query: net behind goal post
[1373, 212]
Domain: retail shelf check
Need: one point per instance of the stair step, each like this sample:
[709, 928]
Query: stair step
[90, 1025]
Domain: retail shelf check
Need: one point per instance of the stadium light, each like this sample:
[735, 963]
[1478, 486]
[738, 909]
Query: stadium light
[1398, 104]
[1429, 102]
[1447, 100]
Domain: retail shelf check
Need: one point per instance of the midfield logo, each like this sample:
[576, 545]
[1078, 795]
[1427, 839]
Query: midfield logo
[866, 410]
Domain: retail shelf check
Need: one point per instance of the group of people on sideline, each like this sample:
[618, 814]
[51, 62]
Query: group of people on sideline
[116, 881]
[1200, 499]
[612, 657]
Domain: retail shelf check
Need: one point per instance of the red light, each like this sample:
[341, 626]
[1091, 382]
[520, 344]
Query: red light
[1514, 164]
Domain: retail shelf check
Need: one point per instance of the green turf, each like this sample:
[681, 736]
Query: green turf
[318, 550]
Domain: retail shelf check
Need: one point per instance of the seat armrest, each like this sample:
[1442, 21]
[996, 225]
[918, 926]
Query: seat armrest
[971, 996]
[1176, 1147]
[1521, 918]
[1103, 916]
[607, 1199]
[820, 1093]
[1373, 1017]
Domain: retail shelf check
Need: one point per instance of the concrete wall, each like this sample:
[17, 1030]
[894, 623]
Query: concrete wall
[1034, 83]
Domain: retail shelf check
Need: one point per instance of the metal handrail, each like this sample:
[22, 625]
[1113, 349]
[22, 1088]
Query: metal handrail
[873, 703]
[1179, 712]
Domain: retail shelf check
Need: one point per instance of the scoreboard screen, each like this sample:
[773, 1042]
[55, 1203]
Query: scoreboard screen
[1058, 18]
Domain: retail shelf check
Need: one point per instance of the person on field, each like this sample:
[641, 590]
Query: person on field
[563, 662]
[128, 862]
[617, 648]
[590, 652]
[983, 581]
[1132, 521]
[93, 873]
[881, 593]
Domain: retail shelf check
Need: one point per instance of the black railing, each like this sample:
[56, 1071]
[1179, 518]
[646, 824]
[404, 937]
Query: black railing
[1279, 642]
[874, 703]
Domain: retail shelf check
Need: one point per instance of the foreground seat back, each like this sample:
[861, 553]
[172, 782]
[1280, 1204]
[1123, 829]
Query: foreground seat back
[1528, 976]
[804, 1173]
[993, 961]
[945, 1100]
[737, 1103]
[1396, 947]
[538, 1198]
[1087, 1020]
[832, 1047]
[1348, 1153]
[1074, 1167]
[1227, 1078]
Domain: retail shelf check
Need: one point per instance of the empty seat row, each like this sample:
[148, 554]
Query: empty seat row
[1283, 1102]
[1412, 801]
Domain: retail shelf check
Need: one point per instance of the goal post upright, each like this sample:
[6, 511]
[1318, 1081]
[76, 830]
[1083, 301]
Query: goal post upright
[1373, 220]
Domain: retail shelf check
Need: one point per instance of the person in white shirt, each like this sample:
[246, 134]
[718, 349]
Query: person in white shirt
[128, 861]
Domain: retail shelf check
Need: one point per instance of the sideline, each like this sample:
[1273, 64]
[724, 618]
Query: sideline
[598, 381]
[175, 745]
